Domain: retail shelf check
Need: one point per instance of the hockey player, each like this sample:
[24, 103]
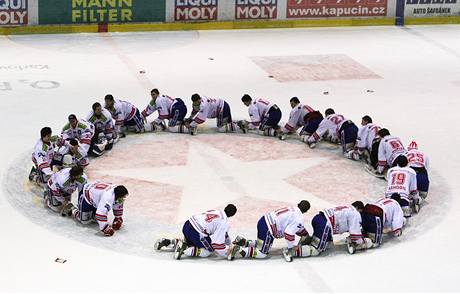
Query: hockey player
[383, 215]
[80, 130]
[203, 234]
[96, 200]
[284, 223]
[296, 118]
[402, 179]
[367, 143]
[72, 149]
[204, 108]
[105, 135]
[172, 109]
[42, 157]
[390, 148]
[337, 128]
[127, 117]
[60, 188]
[263, 115]
[418, 161]
[312, 121]
[337, 220]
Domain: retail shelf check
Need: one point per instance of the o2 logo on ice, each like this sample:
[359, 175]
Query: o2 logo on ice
[255, 9]
[13, 12]
[191, 10]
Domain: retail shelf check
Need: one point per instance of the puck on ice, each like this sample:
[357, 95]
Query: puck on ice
[60, 260]
[142, 71]
[326, 93]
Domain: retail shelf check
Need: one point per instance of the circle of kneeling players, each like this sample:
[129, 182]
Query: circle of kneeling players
[59, 163]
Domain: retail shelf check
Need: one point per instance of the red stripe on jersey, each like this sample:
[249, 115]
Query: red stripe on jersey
[43, 165]
[316, 136]
[163, 116]
[85, 141]
[289, 127]
[289, 237]
[198, 120]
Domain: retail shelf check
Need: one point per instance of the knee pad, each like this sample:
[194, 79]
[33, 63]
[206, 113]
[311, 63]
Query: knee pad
[307, 250]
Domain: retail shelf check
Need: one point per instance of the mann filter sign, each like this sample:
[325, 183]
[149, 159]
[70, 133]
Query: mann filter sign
[13, 12]
[192, 10]
[335, 8]
[255, 9]
[100, 11]
[427, 8]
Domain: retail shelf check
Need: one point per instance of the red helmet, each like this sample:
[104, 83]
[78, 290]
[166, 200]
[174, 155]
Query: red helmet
[412, 145]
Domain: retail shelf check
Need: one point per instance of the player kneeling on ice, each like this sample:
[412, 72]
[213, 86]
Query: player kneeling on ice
[172, 109]
[105, 135]
[204, 108]
[263, 116]
[337, 220]
[418, 161]
[203, 234]
[60, 188]
[296, 119]
[282, 223]
[96, 200]
[402, 179]
[383, 215]
[390, 148]
[337, 128]
[71, 154]
[127, 117]
[367, 143]
[80, 130]
[42, 157]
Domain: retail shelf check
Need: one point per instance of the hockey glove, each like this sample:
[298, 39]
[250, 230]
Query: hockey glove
[117, 222]
[108, 231]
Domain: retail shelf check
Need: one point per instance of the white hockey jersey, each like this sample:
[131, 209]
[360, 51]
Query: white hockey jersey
[390, 148]
[417, 159]
[401, 180]
[213, 224]
[296, 118]
[343, 219]
[103, 123]
[257, 110]
[101, 196]
[366, 136]
[83, 132]
[79, 158]
[122, 111]
[329, 126]
[163, 104]
[286, 222]
[43, 155]
[393, 215]
[61, 185]
[209, 108]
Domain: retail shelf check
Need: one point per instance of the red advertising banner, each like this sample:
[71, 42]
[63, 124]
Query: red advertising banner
[193, 10]
[335, 8]
[13, 12]
[255, 9]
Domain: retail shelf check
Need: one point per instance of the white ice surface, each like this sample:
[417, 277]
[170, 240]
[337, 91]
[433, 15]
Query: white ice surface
[417, 98]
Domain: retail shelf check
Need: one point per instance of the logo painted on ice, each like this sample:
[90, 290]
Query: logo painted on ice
[192, 10]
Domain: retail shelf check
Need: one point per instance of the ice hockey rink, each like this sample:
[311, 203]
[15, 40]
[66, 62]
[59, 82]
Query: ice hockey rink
[406, 78]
